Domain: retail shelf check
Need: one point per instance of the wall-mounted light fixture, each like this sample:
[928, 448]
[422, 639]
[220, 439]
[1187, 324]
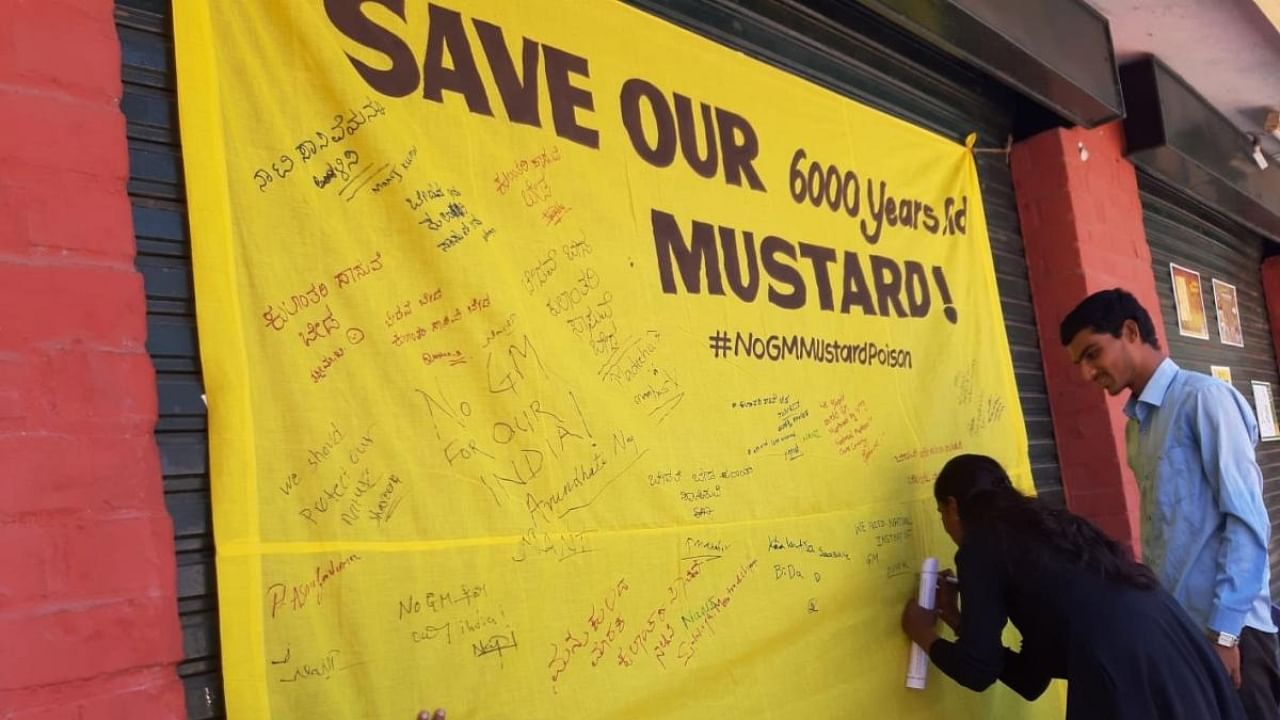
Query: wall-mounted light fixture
[1259, 158]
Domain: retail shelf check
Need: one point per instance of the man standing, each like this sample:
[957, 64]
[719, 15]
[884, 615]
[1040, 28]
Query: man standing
[1190, 441]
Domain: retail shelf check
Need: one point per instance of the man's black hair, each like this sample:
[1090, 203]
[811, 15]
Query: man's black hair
[1105, 312]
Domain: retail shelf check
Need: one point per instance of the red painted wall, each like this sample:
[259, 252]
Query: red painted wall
[88, 611]
[1081, 221]
[1271, 291]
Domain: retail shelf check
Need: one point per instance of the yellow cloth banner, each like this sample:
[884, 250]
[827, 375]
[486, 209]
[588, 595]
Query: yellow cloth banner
[564, 364]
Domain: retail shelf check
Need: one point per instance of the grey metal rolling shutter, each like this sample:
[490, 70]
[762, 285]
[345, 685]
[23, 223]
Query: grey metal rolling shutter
[1181, 231]
[877, 66]
[164, 259]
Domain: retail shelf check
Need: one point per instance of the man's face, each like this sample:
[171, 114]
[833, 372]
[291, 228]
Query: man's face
[1103, 359]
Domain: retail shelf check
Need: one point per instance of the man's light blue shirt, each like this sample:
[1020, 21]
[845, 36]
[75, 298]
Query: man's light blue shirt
[1190, 440]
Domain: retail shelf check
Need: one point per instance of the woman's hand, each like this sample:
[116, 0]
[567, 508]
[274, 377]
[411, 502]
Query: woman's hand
[948, 599]
[920, 624]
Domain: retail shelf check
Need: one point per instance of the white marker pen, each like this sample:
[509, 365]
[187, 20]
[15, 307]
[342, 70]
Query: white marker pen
[918, 666]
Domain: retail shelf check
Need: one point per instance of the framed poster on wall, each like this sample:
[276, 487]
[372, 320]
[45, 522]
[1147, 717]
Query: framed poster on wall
[1265, 407]
[1222, 372]
[1189, 300]
[1228, 311]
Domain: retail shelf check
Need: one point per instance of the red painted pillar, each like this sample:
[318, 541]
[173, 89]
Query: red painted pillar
[1271, 291]
[88, 610]
[1081, 220]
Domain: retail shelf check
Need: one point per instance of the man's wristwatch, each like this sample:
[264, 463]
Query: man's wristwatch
[1223, 639]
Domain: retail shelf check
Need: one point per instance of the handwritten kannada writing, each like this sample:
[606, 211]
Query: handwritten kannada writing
[773, 399]
[503, 178]
[790, 415]
[294, 304]
[343, 169]
[281, 168]
[699, 490]
[359, 271]
[443, 211]
[468, 595]
[452, 211]
[604, 620]
[656, 636]
[327, 361]
[585, 305]
[554, 213]
[296, 596]
[440, 322]
[429, 193]
[802, 545]
[546, 265]
[537, 194]
[701, 494]
[315, 331]
[536, 276]
[345, 126]
[321, 669]
[404, 310]
[665, 477]
[851, 427]
[928, 452]
[587, 322]
[577, 249]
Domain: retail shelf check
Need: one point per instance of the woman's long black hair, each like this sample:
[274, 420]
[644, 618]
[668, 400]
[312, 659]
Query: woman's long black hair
[987, 499]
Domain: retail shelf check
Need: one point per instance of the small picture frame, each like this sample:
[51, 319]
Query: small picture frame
[1222, 372]
[1266, 409]
[1225, 304]
[1188, 298]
